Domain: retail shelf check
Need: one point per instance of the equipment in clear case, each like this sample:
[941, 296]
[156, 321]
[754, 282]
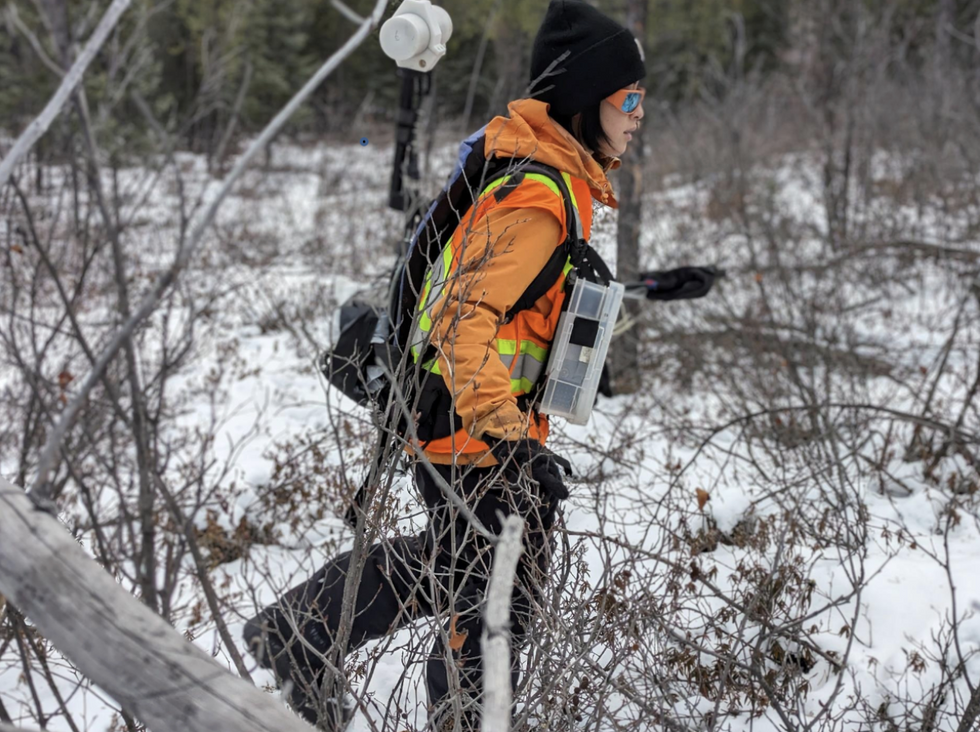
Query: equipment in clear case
[579, 349]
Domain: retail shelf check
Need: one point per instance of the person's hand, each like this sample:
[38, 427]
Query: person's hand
[683, 283]
[544, 466]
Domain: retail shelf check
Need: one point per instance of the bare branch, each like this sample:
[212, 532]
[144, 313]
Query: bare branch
[12, 728]
[14, 18]
[496, 630]
[40, 125]
[478, 64]
[202, 575]
[347, 12]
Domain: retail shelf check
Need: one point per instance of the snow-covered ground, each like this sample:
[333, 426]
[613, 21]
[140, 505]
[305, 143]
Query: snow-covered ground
[731, 525]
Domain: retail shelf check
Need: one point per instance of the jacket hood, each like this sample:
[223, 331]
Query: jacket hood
[530, 133]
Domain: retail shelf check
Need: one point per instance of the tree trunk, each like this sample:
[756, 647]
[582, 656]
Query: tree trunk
[510, 43]
[624, 363]
[478, 67]
[148, 667]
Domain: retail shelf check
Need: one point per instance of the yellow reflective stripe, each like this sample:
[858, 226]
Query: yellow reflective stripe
[432, 365]
[571, 191]
[508, 347]
[505, 347]
[425, 321]
[495, 184]
[447, 258]
[534, 351]
[527, 367]
[546, 181]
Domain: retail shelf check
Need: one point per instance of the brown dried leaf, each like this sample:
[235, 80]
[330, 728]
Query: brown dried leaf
[456, 639]
[703, 498]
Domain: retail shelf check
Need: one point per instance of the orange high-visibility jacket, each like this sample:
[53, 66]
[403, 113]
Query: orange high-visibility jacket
[494, 255]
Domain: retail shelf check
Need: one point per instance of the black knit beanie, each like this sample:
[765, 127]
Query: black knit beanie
[603, 57]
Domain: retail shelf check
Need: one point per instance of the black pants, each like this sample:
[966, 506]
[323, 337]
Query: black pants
[441, 572]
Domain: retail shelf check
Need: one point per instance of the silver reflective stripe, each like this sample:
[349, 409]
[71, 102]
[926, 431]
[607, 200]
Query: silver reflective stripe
[528, 367]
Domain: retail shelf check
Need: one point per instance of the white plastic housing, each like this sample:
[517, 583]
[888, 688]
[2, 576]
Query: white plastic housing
[416, 35]
[404, 37]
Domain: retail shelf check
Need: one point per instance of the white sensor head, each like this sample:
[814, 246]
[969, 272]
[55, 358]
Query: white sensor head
[404, 37]
[416, 35]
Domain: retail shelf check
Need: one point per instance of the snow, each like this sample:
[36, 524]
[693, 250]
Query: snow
[302, 236]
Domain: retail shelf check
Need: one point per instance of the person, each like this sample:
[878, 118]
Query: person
[483, 439]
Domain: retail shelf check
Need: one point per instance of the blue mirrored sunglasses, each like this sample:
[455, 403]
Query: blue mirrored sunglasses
[627, 100]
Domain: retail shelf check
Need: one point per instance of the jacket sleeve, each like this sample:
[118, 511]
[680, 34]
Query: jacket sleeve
[496, 264]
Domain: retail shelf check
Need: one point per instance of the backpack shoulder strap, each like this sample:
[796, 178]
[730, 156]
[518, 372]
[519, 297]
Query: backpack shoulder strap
[585, 260]
[573, 224]
[555, 265]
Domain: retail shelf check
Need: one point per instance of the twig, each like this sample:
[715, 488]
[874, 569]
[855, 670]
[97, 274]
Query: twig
[14, 18]
[40, 125]
[236, 110]
[971, 713]
[49, 677]
[478, 65]
[202, 575]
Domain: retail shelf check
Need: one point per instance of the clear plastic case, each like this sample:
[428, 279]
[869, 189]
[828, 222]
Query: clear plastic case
[579, 350]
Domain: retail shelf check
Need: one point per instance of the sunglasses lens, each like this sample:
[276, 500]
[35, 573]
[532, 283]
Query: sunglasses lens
[631, 102]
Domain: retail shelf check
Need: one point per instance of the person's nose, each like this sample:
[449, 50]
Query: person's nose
[638, 112]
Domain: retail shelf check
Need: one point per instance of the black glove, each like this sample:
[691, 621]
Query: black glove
[683, 283]
[545, 467]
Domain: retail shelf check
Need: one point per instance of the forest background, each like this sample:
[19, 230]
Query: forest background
[196, 57]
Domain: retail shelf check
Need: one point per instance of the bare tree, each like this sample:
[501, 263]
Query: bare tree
[625, 365]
